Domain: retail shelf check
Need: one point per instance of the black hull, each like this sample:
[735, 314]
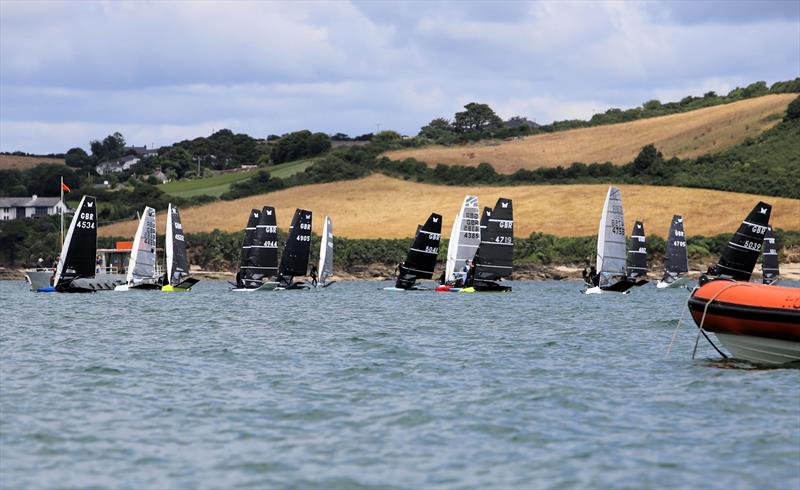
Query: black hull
[619, 287]
[490, 287]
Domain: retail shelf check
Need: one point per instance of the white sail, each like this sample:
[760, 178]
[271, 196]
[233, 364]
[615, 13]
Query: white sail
[168, 245]
[142, 264]
[611, 247]
[326, 252]
[465, 237]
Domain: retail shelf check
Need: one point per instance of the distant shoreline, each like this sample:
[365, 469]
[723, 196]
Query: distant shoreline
[383, 272]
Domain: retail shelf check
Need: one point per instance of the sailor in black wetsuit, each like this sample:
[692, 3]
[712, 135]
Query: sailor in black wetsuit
[313, 275]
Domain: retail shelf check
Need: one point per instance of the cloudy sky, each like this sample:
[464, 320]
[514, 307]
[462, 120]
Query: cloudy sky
[161, 71]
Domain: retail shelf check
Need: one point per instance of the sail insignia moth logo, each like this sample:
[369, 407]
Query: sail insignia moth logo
[435, 220]
[269, 212]
[89, 204]
[504, 204]
[763, 210]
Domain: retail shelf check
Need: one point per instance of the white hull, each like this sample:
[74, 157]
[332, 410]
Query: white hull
[597, 290]
[267, 286]
[760, 350]
[401, 289]
[681, 281]
[39, 279]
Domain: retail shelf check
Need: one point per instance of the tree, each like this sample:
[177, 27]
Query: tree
[112, 146]
[652, 105]
[793, 110]
[477, 117]
[77, 158]
[300, 144]
[437, 129]
[387, 136]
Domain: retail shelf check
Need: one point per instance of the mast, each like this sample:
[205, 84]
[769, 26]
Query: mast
[326, 252]
[769, 265]
[61, 212]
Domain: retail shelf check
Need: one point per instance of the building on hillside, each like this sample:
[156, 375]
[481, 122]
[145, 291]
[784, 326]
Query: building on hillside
[30, 207]
[518, 121]
[117, 165]
[141, 151]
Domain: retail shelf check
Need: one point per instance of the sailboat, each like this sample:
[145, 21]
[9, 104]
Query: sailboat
[294, 261]
[465, 237]
[421, 258]
[771, 274]
[495, 256]
[76, 264]
[142, 262]
[259, 256]
[676, 261]
[637, 255]
[177, 275]
[611, 254]
[326, 254]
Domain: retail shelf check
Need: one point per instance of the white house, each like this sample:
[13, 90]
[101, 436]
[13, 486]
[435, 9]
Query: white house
[29, 207]
[119, 165]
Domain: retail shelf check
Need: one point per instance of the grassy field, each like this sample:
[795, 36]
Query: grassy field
[381, 207]
[685, 135]
[8, 162]
[219, 184]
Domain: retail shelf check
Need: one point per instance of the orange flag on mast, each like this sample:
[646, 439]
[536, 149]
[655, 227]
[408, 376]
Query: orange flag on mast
[65, 187]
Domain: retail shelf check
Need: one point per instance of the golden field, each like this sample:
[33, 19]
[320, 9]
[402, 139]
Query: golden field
[8, 162]
[685, 135]
[382, 207]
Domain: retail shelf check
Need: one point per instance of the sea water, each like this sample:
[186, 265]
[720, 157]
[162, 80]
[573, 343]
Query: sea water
[352, 387]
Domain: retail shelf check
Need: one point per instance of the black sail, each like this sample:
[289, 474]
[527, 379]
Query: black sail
[676, 260]
[740, 256]
[421, 259]
[245, 262]
[80, 246]
[496, 251]
[294, 261]
[180, 258]
[265, 245]
[769, 258]
[637, 252]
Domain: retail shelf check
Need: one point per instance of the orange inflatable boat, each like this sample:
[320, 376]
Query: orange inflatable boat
[756, 322]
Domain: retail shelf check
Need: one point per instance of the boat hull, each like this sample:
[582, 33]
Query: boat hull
[679, 282]
[101, 282]
[40, 279]
[755, 322]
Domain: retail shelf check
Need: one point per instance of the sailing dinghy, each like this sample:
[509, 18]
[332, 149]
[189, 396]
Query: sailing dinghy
[676, 261]
[611, 254]
[771, 274]
[637, 255]
[142, 262]
[421, 258]
[177, 275]
[495, 256]
[75, 272]
[294, 261]
[259, 257]
[465, 237]
[326, 254]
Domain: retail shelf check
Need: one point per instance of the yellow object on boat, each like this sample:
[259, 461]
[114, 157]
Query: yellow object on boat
[170, 287]
[467, 290]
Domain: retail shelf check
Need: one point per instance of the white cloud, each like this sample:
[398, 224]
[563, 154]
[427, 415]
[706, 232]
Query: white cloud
[159, 70]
